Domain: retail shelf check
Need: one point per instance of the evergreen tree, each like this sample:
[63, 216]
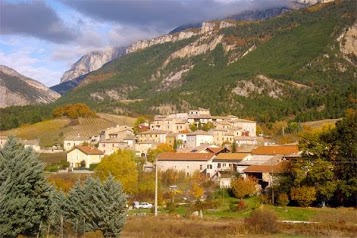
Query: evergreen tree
[97, 206]
[24, 193]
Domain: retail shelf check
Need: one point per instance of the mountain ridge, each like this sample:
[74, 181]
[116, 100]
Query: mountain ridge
[19, 90]
[207, 66]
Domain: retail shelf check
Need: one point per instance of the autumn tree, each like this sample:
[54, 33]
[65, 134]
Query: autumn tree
[197, 179]
[123, 167]
[73, 111]
[304, 195]
[153, 153]
[242, 188]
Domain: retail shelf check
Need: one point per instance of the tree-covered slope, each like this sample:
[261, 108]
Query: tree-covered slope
[291, 66]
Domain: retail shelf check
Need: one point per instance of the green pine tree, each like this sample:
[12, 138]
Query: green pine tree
[97, 206]
[24, 192]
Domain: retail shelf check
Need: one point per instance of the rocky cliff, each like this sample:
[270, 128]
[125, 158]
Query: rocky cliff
[91, 62]
[18, 90]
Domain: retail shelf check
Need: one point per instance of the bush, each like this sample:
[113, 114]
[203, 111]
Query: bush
[92, 167]
[262, 222]
[171, 207]
[283, 199]
[303, 195]
[240, 205]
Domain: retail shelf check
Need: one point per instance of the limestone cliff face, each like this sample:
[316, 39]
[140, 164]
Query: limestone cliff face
[207, 28]
[18, 90]
[142, 44]
[91, 62]
[348, 41]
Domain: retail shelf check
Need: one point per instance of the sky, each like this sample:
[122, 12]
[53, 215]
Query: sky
[42, 39]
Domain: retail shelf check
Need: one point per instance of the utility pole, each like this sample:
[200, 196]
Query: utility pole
[155, 205]
[272, 180]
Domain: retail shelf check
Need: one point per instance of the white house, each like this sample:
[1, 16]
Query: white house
[186, 162]
[71, 141]
[198, 138]
[84, 154]
[227, 162]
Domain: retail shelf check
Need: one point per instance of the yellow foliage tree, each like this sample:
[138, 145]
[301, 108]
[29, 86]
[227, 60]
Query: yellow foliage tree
[153, 153]
[123, 167]
[197, 180]
[243, 187]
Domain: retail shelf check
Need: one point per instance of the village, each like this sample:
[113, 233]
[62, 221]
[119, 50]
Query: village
[228, 146]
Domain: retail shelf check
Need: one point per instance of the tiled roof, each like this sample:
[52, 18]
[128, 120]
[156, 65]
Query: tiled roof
[173, 156]
[216, 150]
[276, 168]
[88, 150]
[199, 132]
[154, 132]
[76, 138]
[230, 156]
[276, 150]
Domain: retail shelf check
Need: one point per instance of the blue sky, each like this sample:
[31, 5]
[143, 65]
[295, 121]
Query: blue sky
[42, 39]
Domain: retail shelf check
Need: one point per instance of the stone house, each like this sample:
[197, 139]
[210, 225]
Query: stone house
[186, 162]
[84, 154]
[198, 138]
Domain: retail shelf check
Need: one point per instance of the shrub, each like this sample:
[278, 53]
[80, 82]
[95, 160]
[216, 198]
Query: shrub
[262, 221]
[243, 187]
[283, 199]
[171, 207]
[303, 195]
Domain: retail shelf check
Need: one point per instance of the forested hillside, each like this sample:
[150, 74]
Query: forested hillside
[293, 67]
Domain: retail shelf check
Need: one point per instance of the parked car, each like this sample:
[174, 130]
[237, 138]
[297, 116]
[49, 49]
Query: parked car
[138, 205]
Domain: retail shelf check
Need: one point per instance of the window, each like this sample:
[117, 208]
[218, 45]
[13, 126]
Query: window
[209, 166]
[219, 165]
[201, 166]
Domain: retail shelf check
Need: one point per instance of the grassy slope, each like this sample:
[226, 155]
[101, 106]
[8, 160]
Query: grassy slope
[52, 132]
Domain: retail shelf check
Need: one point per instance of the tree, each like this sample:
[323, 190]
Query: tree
[140, 120]
[243, 187]
[197, 180]
[342, 142]
[24, 193]
[234, 147]
[209, 125]
[153, 153]
[74, 111]
[304, 196]
[123, 167]
[97, 205]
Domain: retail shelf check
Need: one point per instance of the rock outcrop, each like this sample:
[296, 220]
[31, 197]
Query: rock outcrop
[91, 62]
[18, 90]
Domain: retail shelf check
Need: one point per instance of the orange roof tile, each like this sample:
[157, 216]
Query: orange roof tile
[88, 150]
[173, 156]
[216, 150]
[276, 168]
[231, 156]
[276, 150]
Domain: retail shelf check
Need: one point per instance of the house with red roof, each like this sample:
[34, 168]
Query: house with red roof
[84, 155]
[186, 162]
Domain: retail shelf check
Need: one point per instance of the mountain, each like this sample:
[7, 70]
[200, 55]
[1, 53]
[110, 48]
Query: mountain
[244, 16]
[66, 86]
[91, 62]
[297, 66]
[18, 90]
